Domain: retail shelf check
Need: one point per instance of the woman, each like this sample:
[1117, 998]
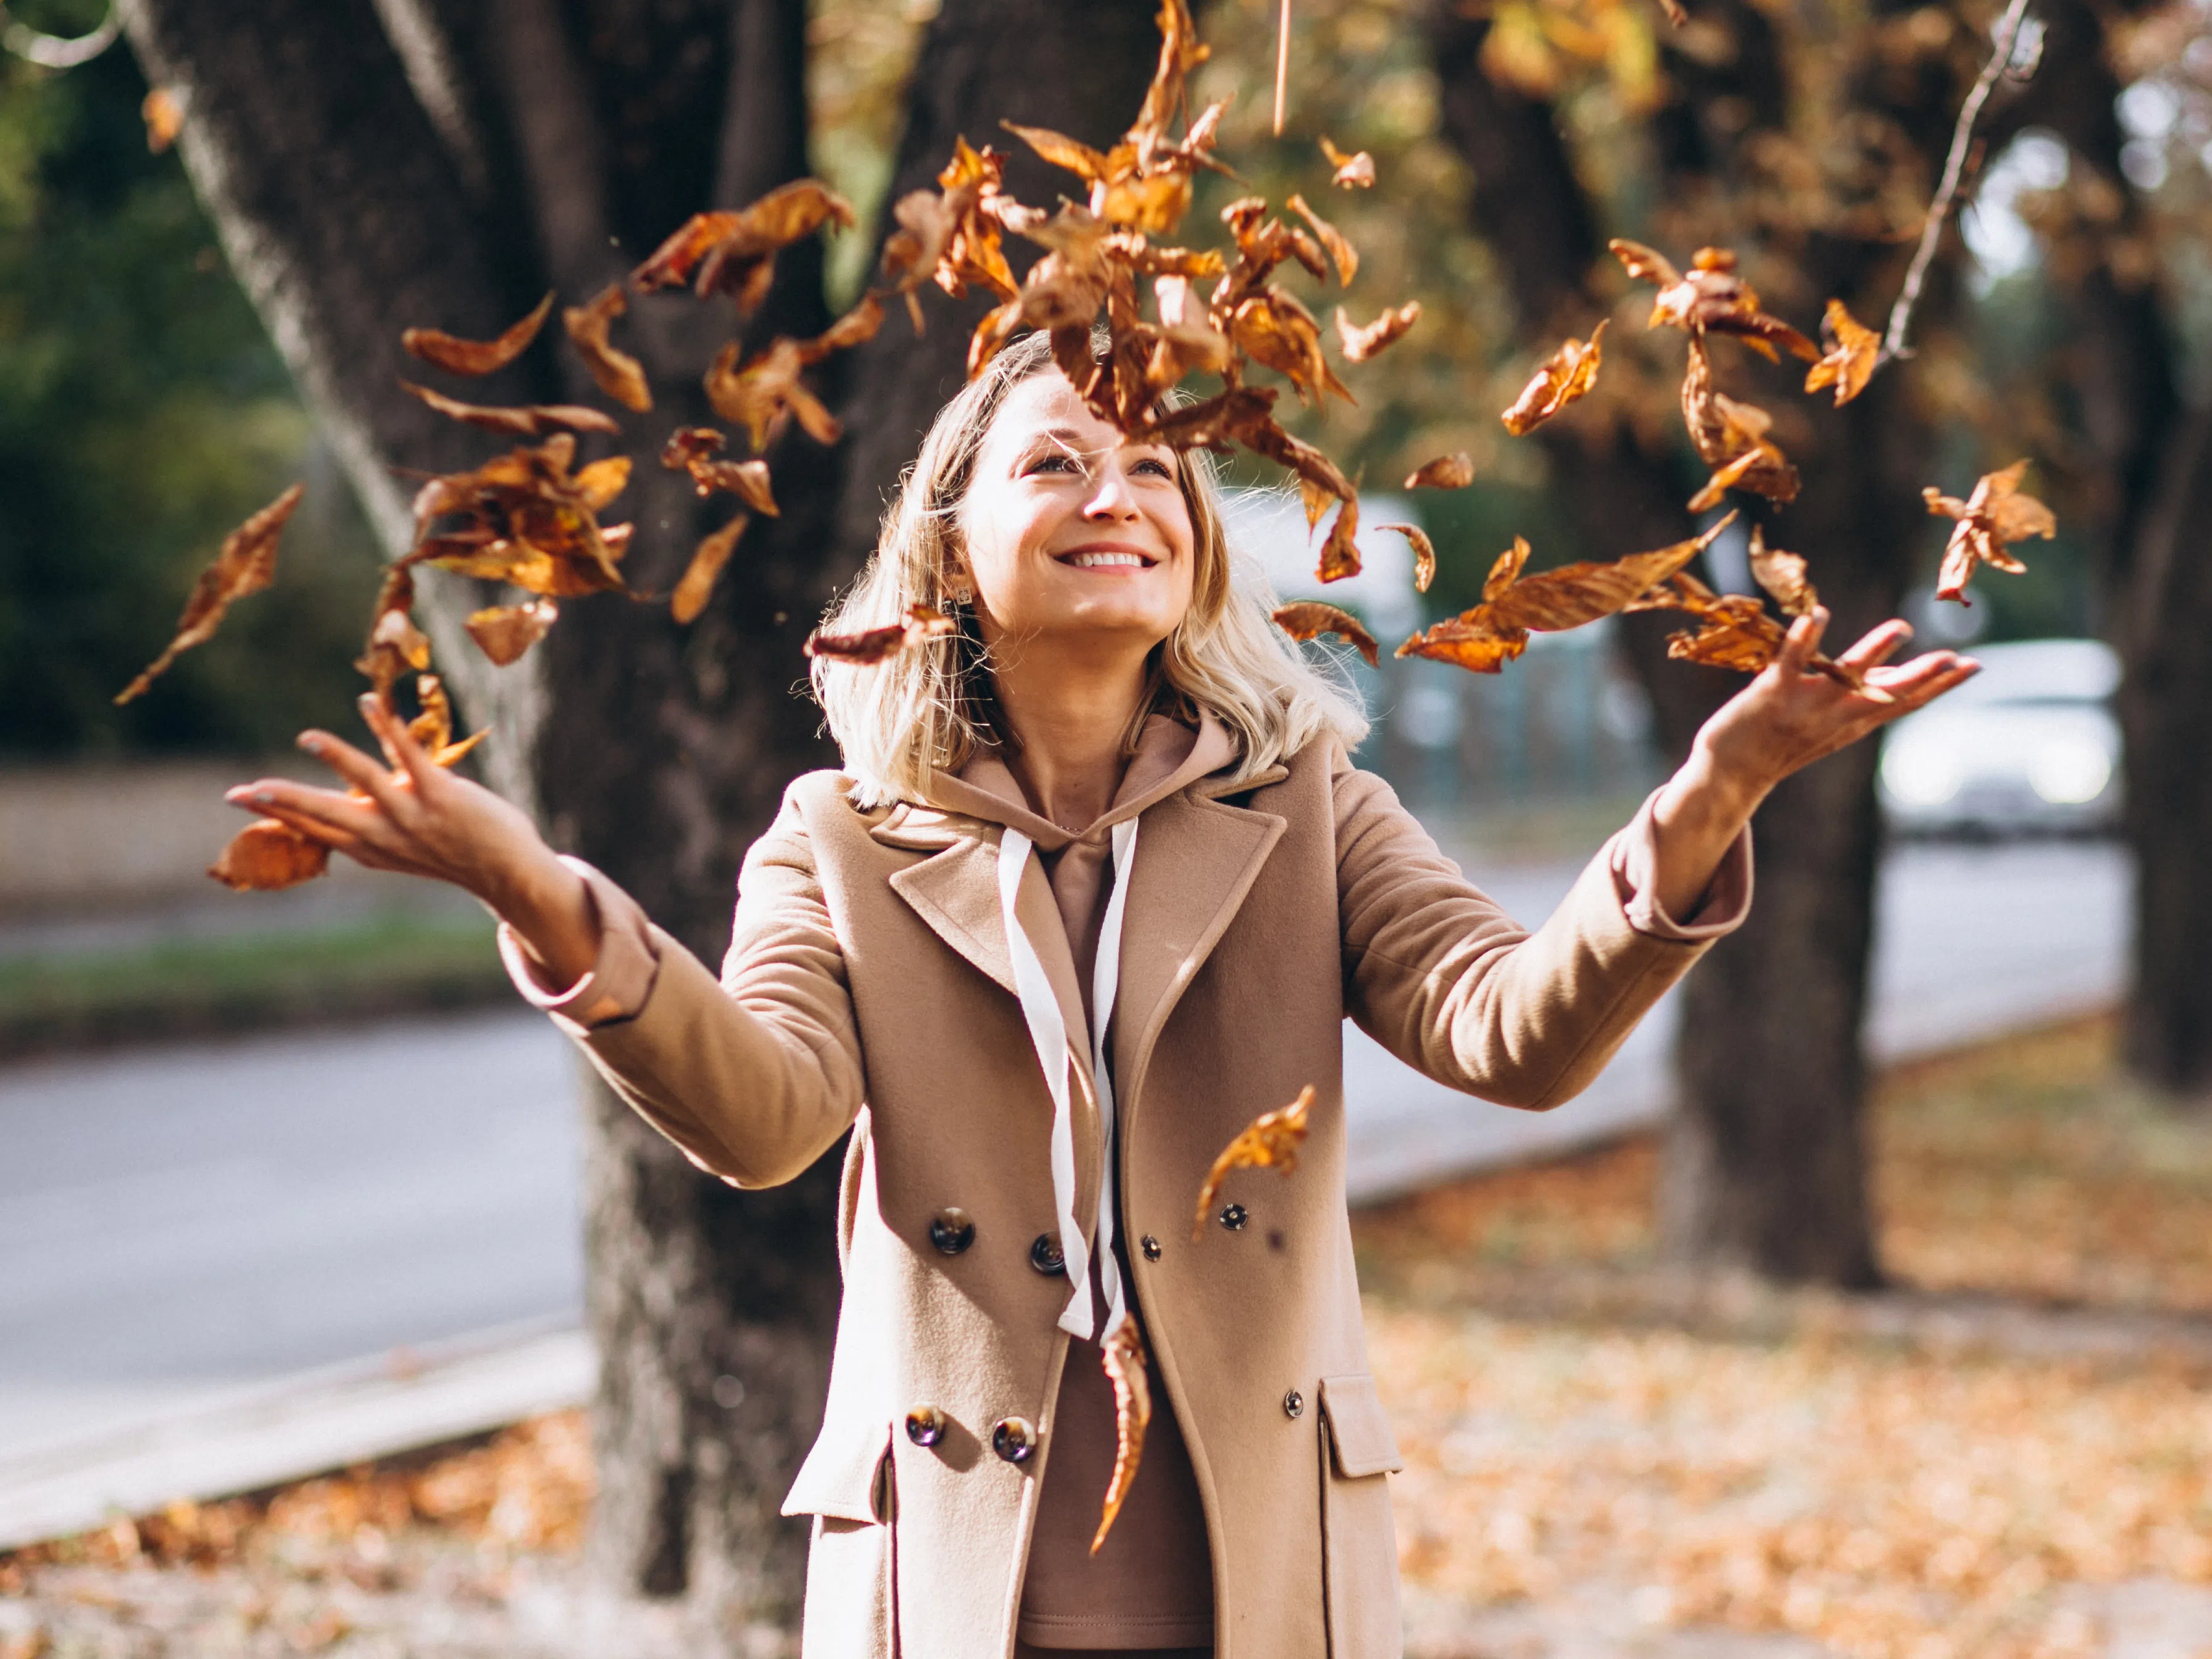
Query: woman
[1115, 801]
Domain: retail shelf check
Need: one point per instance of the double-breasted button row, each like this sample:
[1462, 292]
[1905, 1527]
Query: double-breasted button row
[1045, 1255]
[951, 1230]
[925, 1426]
[1014, 1438]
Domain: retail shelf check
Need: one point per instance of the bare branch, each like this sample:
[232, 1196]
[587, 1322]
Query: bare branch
[2002, 42]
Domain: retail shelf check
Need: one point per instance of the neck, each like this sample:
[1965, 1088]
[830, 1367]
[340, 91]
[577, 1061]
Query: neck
[1068, 718]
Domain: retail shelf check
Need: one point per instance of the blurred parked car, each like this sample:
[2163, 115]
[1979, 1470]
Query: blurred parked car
[2029, 745]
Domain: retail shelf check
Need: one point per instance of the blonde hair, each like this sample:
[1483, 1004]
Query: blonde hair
[928, 710]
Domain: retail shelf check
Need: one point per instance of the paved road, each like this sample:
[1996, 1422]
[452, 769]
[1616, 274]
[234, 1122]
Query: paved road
[177, 1224]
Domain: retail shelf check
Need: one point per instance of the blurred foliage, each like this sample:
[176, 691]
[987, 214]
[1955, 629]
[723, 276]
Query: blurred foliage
[143, 415]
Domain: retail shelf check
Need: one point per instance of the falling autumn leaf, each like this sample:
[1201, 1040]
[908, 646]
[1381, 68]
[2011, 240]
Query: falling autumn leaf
[1425, 553]
[1783, 576]
[1339, 548]
[1735, 631]
[1730, 437]
[1455, 471]
[1123, 1357]
[765, 392]
[504, 632]
[527, 520]
[1341, 253]
[1308, 619]
[706, 562]
[1565, 375]
[1354, 171]
[876, 645]
[620, 375]
[1994, 516]
[267, 856]
[164, 117]
[734, 252]
[1710, 298]
[1269, 1141]
[246, 564]
[458, 356]
[535, 421]
[1360, 342]
[396, 646]
[1854, 351]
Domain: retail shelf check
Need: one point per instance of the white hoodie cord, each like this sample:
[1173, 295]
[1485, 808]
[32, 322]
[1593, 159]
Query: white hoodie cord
[1048, 1035]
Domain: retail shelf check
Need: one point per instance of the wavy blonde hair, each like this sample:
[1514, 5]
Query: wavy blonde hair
[930, 709]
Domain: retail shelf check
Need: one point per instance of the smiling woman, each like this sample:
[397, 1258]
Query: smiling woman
[1096, 888]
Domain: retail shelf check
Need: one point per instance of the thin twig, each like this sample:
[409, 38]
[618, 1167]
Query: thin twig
[2002, 40]
[1282, 65]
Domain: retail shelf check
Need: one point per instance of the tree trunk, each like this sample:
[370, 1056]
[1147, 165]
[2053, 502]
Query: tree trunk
[372, 164]
[1765, 1164]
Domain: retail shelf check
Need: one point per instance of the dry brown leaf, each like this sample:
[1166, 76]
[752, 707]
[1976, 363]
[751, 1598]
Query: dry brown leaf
[164, 117]
[948, 235]
[1273, 328]
[528, 520]
[1123, 1353]
[1735, 631]
[706, 562]
[765, 392]
[1341, 253]
[734, 252]
[620, 375]
[1269, 1141]
[1360, 342]
[1455, 471]
[1995, 516]
[1476, 647]
[1783, 576]
[535, 421]
[1340, 551]
[1564, 376]
[268, 856]
[1354, 172]
[458, 356]
[1730, 437]
[1711, 298]
[246, 564]
[1425, 553]
[504, 632]
[1854, 351]
[1308, 619]
[876, 645]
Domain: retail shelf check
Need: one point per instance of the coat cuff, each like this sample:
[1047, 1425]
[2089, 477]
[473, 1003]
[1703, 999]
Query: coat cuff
[1634, 861]
[621, 979]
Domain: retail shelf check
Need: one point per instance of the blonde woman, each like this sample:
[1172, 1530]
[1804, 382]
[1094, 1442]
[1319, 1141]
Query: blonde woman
[1096, 886]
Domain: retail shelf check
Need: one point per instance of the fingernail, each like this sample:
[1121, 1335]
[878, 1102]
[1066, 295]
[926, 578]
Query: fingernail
[262, 798]
[312, 742]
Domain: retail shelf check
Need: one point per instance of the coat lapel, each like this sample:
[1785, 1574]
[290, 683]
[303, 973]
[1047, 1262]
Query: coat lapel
[1197, 860]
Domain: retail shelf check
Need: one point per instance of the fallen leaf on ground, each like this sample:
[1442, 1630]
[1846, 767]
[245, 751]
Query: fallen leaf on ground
[1354, 172]
[1565, 375]
[1308, 619]
[1269, 1141]
[1995, 516]
[458, 356]
[872, 646]
[1425, 553]
[1122, 1354]
[1853, 352]
[620, 375]
[533, 421]
[504, 632]
[1361, 341]
[706, 562]
[1455, 471]
[246, 564]
[164, 117]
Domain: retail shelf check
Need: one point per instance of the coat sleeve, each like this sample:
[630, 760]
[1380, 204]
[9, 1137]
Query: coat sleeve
[1439, 975]
[753, 1078]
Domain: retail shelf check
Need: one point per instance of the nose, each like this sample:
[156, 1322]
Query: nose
[1111, 498]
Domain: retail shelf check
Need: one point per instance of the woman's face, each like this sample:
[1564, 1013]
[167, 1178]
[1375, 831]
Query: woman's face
[1071, 534]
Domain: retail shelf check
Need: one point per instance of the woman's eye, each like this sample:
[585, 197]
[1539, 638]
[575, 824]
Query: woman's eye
[1052, 463]
[1158, 468]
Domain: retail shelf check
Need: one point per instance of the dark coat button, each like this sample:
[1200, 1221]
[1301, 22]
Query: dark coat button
[1151, 1247]
[1014, 1439]
[1294, 1405]
[1234, 1218]
[925, 1426]
[951, 1230]
[1045, 1256]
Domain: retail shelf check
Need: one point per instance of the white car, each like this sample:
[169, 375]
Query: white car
[2029, 745]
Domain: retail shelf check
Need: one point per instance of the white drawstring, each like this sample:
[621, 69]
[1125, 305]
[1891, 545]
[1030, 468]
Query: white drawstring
[1048, 1035]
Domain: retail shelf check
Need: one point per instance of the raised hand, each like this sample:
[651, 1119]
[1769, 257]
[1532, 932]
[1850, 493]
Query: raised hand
[419, 819]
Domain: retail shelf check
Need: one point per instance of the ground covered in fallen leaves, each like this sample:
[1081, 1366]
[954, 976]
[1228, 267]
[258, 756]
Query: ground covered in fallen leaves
[2008, 1455]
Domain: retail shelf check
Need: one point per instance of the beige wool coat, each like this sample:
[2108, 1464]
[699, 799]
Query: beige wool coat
[868, 986]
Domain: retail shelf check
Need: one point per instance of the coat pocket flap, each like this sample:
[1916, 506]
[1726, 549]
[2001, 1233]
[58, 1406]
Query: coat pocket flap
[843, 1477]
[1359, 1428]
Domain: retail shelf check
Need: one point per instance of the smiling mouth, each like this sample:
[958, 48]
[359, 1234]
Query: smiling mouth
[1100, 558]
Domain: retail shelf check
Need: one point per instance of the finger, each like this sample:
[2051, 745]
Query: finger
[322, 813]
[358, 769]
[392, 731]
[1802, 642]
[314, 831]
[1878, 646]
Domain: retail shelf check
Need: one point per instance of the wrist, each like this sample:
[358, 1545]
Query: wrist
[1709, 789]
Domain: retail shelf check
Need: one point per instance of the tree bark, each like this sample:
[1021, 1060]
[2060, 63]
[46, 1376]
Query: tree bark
[1765, 1165]
[372, 164]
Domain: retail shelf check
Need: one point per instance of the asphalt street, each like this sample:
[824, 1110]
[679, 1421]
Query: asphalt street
[177, 1224]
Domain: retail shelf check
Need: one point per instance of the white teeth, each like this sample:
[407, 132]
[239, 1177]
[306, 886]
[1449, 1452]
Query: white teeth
[1090, 561]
